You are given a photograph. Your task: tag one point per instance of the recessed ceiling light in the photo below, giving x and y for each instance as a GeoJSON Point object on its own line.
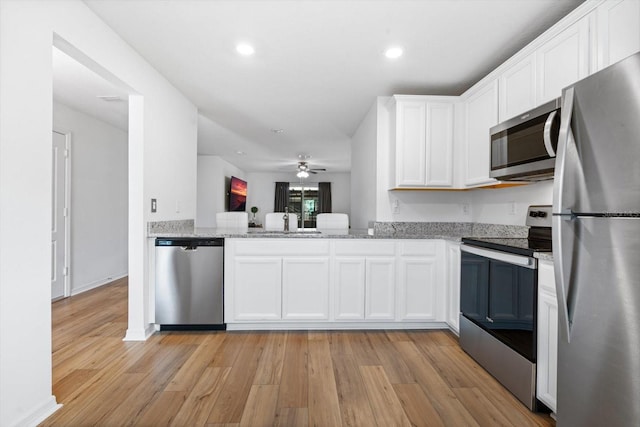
{"type": "Point", "coordinates": [393, 52]}
{"type": "Point", "coordinates": [274, 130]}
{"type": "Point", "coordinates": [245, 49]}
{"type": "Point", "coordinates": [240, 153]}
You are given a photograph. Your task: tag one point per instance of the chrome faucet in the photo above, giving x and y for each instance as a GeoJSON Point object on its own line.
{"type": "Point", "coordinates": [286, 218]}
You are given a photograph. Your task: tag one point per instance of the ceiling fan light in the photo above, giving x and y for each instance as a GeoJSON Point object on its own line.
{"type": "Point", "coordinates": [302, 174]}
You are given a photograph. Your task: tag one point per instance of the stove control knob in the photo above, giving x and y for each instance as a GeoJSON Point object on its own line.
{"type": "Point", "coordinates": [533, 214]}
{"type": "Point", "coordinates": [542, 214]}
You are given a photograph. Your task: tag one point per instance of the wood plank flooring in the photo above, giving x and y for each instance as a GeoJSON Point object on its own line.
{"type": "Point", "coordinates": [319, 378]}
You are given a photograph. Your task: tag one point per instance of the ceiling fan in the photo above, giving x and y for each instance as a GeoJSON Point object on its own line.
{"type": "Point", "coordinates": [304, 170]}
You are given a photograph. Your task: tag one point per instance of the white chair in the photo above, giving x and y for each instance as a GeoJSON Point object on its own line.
{"type": "Point", "coordinates": [273, 221]}
{"type": "Point", "coordinates": [332, 221]}
{"type": "Point", "coordinates": [235, 220]}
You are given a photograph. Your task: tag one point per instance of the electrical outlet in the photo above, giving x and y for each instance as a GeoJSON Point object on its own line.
{"type": "Point", "coordinates": [512, 208]}
{"type": "Point", "coordinates": [154, 205]}
{"type": "Point", "coordinates": [465, 208]}
{"type": "Point", "coordinates": [395, 207]}
{"type": "Point", "coordinates": [177, 206]}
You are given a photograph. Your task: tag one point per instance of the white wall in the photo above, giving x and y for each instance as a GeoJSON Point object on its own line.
{"type": "Point", "coordinates": [491, 205]}
{"type": "Point", "coordinates": [162, 156]}
{"type": "Point", "coordinates": [99, 198]}
{"type": "Point", "coordinates": [213, 176]}
{"type": "Point", "coordinates": [494, 205]}
{"type": "Point", "coordinates": [363, 175]}
{"type": "Point", "coordinates": [261, 190]}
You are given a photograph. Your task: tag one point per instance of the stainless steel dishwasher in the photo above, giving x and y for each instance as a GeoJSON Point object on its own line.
{"type": "Point", "coordinates": [189, 278]}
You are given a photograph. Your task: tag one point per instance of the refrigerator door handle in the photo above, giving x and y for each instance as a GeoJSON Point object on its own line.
{"type": "Point", "coordinates": [562, 260]}
{"type": "Point", "coordinates": [548, 144]}
{"type": "Point", "coordinates": [560, 267]}
{"type": "Point", "coordinates": [564, 138]}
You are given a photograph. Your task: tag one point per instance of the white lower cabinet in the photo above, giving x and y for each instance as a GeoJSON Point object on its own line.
{"type": "Point", "coordinates": [349, 288]}
{"type": "Point", "coordinates": [347, 281]}
{"type": "Point", "coordinates": [421, 290]}
{"type": "Point", "coordinates": [257, 289]}
{"type": "Point", "coordinates": [305, 288]}
{"type": "Point", "coordinates": [547, 365]}
{"type": "Point", "coordinates": [380, 288]}
{"type": "Point", "coordinates": [453, 288]}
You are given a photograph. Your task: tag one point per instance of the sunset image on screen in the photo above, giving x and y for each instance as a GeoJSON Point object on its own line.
{"type": "Point", "coordinates": [237, 195]}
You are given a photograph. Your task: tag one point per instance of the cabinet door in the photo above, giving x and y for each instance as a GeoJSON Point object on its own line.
{"type": "Point", "coordinates": [547, 369]}
{"type": "Point", "coordinates": [349, 288]}
{"type": "Point", "coordinates": [618, 31]}
{"type": "Point", "coordinates": [547, 357]}
{"type": "Point", "coordinates": [518, 88]}
{"type": "Point", "coordinates": [563, 60]}
{"type": "Point", "coordinates": [305, 288]}
{"type": "Point", "coordinates": [256, 288]}
{"type": "Point", "coordinates": [417, 291]}
{"type": "Point", "coordinates": [380, 288]}
{"type": "Point", "coordinates": [411, 124]}
{"type": "Point", "coordinates": [439, 145]}
{"type": "Point", "coordinates": [482, 114]}
{"type": "Point", "coordinates": [453, 285]}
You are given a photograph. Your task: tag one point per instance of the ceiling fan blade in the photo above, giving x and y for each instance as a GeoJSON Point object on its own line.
{"type": "Point", "coordinates": [319, 169]}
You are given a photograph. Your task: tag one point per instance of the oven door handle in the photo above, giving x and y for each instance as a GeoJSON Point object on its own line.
{"type": "Point", "coordinates": [522, 261]}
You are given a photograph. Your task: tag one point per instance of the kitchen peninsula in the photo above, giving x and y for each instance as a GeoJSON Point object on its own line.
{"type": "Point", "coordinates": [400, 276]}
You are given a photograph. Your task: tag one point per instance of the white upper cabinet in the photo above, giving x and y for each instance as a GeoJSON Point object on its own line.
{"type": "Point", "coordinates": [518, 88]}
{"type": "Point", "coordinates": [562, 61]}
{"type": "Point", "coordinates": [422, 141]}
{"type": "Point", "coordinates": [618, 31]}
{"type": "Point", "coordinates": [481, 115]}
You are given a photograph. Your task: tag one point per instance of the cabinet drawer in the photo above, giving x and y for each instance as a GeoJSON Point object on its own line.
{"type": "Point", "coordinates": [546, 277]}
{"type": "Point", "coordinates": [365, 247]}
{"type": "Point", "coordinates": [291, 246]}
{"type": "Point", "coordinates": [419, 248]}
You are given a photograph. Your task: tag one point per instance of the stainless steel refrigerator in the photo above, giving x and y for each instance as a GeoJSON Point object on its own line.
{"type": "Point", "coordinates": [596, 249]}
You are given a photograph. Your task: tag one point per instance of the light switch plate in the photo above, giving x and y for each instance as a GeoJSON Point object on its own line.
{"type": "Point", "coordinates": [154, 205]}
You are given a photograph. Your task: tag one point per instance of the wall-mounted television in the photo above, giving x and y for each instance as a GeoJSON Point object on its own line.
{"type": "Point", "coordinates": [237, 195]}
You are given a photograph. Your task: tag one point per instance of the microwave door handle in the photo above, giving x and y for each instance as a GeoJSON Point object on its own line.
{"type": "Point", "coordinates": [547, 134]}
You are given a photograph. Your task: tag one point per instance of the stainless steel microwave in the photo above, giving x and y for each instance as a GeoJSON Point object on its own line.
{"type": "Point", "coordinates": [524, 147]}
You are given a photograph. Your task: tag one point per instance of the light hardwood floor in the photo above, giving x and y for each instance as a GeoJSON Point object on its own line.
{"type": "Point", "coordinates": [345, 378]}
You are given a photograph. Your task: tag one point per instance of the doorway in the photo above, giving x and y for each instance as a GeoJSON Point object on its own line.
{"type": "Point", "coordinates": [95, 111]}
{"type": "Point", "coordinates": [60, 215]}
{"type": "Point", "coordinates": [303, 201]}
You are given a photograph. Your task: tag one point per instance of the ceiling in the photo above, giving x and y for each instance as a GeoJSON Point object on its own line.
{"type": "Point", "coordinates": [318, 64]}
{"type": "Point", "coordinates": [82, 89]}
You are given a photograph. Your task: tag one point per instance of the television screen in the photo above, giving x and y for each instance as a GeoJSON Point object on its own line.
{"type": "Point", "coordinates": [237, 195]}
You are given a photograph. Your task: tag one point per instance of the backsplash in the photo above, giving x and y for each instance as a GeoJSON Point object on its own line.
{"type": "Point", "coordinates": [156, 227]}
{"type": "Point", "coordinates": [451, 229]}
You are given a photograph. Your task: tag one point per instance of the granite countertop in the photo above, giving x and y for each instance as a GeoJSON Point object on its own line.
{"type": "Point", "coordinates": [545, 256]}
{"type": "Point", "coordinates": [452, 231]}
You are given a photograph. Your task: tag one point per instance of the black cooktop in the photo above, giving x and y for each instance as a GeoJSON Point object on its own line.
{"type": "Point", "coordinates": [520, 246]}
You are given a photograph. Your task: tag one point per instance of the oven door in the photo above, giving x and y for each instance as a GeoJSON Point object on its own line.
{"type": "Point", "coordinates": [498, 293]}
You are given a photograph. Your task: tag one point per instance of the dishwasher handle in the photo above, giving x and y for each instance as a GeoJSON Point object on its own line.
{"type": "Point", "coordinates": [189, 243]}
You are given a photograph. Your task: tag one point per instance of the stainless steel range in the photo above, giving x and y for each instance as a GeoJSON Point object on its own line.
{"type": "Point", "coordinates": [498, 304]}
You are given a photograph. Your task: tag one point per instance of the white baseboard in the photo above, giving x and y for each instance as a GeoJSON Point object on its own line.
{"type": "Point", "coordinates": [327, 326]}
{"type": "Point", "coordinates": [97, 283]}
{"type": "Point", "coordinates": [139, 334]}
{"type": "Point", "coordinates": [40, 414]}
